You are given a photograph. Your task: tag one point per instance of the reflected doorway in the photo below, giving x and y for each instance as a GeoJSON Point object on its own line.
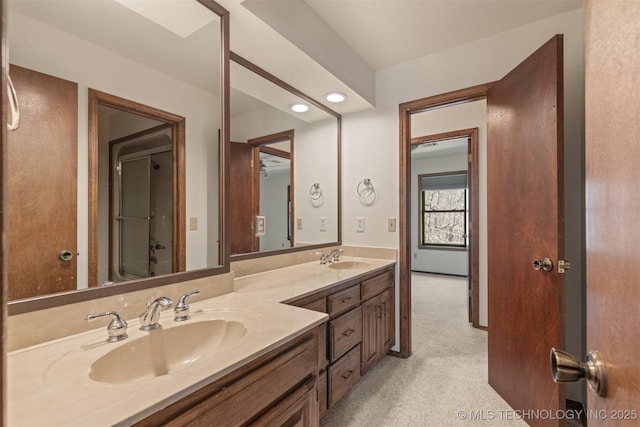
{"type": "Point", "coordinates": [136, 191]}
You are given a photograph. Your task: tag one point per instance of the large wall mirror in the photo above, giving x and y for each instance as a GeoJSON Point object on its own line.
{"type": "Point", "coordinates": [113, 173]}
{"type": "Point", "coordinates": [285, 165]}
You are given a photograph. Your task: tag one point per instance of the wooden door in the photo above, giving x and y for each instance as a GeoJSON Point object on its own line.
{"type": "Point", "coordinates": [42, 186]}
{"type": "Point", "coordinates": [612, 205]}
{"type": "Point", "coordinates": [388, 327]}
{"type": "Point", "coordinates": [241, 177]}
{"type": "Point", "coordinates": [370, 325]}
{"type": "Point", "coordinates": [525, 222]}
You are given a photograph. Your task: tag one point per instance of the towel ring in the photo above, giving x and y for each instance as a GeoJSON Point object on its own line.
{"type": "Point", "coordinates": [366, 192]}
{"type": "Point", "coordinates": [315, 194]}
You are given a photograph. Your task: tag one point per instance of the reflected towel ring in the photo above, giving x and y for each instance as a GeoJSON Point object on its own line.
{"type": "Point", "coordinates": [13, 103]}
{"type": "Point", "coordinates": [366, 192]}
{"type": "Point", "coordinates": [315, 195]}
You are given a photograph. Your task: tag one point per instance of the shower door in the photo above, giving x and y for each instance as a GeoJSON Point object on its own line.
{"type": "Point", "coordinates": [142, 241]}
{"type": "Point", "coordinates": [134, 217]}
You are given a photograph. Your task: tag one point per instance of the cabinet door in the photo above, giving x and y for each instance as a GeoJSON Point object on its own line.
{"type": "Point", "coordinates": [298, 409]}
{"type": "Point", "coordinates": [370, 344]}
{"type": "Point", "coordinates": [388, 324]}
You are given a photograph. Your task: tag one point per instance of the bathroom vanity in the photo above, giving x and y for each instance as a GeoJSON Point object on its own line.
{"type": "Point", "coordinates": [281, 348]}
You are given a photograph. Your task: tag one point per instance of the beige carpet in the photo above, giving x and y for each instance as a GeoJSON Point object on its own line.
{"type": "Point", "coordinates": [444, 381]}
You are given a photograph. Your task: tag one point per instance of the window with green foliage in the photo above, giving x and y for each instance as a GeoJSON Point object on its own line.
{"type": "Point", "coordinates": [443, 206]}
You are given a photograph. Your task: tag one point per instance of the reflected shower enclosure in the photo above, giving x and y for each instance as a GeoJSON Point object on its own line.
{"type": "Point", "coordinates": [142, 211]}
{"type": "Point", "coordinates": [141, 196]}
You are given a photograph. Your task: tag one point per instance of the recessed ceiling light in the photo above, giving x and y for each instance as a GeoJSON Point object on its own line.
{"type": "Point", "coordinates": [335, 97]}
{"type": "Point", "coordinates": [300, 108]}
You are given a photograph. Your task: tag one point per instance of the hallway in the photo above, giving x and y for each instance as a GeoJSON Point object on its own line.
{"type": "Point", "coordinates": [443, 383]}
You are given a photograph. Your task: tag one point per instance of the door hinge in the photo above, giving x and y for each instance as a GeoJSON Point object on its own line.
{"type": "Point", "coordinates": [563, 265]}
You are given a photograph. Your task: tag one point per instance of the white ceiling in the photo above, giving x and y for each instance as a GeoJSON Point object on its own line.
{"type": "Point", "coordinates": [388, 32]}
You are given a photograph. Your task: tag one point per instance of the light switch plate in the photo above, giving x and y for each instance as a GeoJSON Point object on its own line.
{"type": "Point", "coordinates": [193, 223]}
{"type": "Point", "coordinates": [260, 226]}
{"type": "Point", "coordinates": [323, 223]}
{"type": "Point", "coordinates": [360, 224]}
{"type": "Point", "coordinates": [299, 223]}
{"type": "Point", "coordinates": [391, 224]}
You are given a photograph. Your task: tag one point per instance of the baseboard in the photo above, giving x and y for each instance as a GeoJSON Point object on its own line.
{"type": "Point", "coordinates": [484, 328]}
{"type": "Point", "coordinates": [394, 353]}
{"type": "Point", "coordinates": [439, 274]}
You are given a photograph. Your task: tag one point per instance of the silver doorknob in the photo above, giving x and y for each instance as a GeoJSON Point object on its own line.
{"type": "Point", "coordinates": [567, 368]}
{"type": "Point", "coordinates": [546, 264]}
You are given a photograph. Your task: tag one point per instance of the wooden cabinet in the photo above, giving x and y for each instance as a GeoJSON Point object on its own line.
{"type": "Point", "coordinates": [378, 327]}
{"type": "Point", "coordinates": [345, 332]}
{"type": "Point", "coordinates": [360, 331]}
{"type": "Point", "coordinates": [343, 375]}
{"type": "Point", "coordinates": [278, 388]}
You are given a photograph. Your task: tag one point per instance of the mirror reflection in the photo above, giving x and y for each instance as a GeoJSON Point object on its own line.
{"type": "Point", "coordinates": [113, 169]}
{"type": "Point", "coordinates": [284, 167]}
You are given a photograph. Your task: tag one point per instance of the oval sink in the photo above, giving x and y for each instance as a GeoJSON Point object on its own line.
{"type": "Point", "coordinates": [348, 265]}
{"type": "Point", "coordinates": [164, 351]}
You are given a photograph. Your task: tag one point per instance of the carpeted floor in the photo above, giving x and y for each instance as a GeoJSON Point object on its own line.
{"type": "Point", "coordinates": [444, 382]}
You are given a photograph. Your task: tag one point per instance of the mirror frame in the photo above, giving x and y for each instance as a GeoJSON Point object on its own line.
{"type": "Point", "coordinates": [273, 79]}
{"type": "Point", "coordinates": [64, 298]}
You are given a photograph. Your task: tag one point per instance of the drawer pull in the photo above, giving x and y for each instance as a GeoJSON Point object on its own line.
{"type": "Point", "coordinates": [347, 374]}
{"type": "Point", "coordinates": [346, 299]}
{"type": "Point", "coordinates": [348, 332]}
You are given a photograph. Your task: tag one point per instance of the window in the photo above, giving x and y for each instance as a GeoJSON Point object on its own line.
{"type": "Point", "coordinates": [443, 207]}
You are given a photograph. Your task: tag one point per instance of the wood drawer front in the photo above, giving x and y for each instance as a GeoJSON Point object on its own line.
{"type": "Point", "coordinates": [317, 305]}
{"type": "Point", "coordinates": [375, 285]}
{"type": "Point", "coordinates": [343, 300]}
{"type": "Point", "coordinates": [344, 333]}
{"type": "Point", "coordinates": [237, 402]}
{"type": "Point", "coordinates": [343, 375]}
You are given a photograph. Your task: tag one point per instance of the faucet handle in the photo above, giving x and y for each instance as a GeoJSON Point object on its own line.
{"type": "Point", "coordinates": [182, 308]}
{"type": "Point", "coordinates": [117, 328]}
{"type": "Point", "coordinates": [324, 259]}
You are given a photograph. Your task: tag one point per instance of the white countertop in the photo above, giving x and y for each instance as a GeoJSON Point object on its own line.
{"type": "Point", "coordinates": [49, 384]}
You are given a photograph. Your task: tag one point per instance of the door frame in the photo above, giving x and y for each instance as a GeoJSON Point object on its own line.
{"type": "Point", "coordinates": [258, 146]}
{"type": "Point", "coordinates": [406, 110]}
{"type": "Point", "coordinates": [177, 123]}
{"type": "Point", "coordinates": [474, 213]}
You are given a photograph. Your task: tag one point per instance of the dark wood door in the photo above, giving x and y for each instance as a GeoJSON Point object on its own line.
{"type": "Point", "coordinates": [370, 326]}
{"type": "Point", "coordinates": [525, 222]}
{"type": "Point", "coordinates": [613, 202]}
{"type": "Point", "coordinates": [241, 177]}
{"type": "Point", "coordinates": [388, 327]}
{"type": "Point", "coordinates": [41, 205]}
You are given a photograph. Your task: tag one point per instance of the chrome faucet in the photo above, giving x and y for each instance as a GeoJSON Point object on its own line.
{"type": "Point", "coordinates": [182, 308]}
{"type": "Point", "coordinates": [334, 255]}
{"type": "Point", "coordinates": [117, 329]}
{"type": "Point", "coordinates": [324, 259]}
{"type": "Point", "coordinates": [149, 319]}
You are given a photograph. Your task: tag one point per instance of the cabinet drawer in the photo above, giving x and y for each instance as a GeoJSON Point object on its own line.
{"type": "Point", "coordinates": [344, 333]}
{"type": "Point", "coordinates": [343, 300]}
{"type": "Point", "coordinates": [375, 285]}
{"type": "Point", "coordinates": [343, 375]}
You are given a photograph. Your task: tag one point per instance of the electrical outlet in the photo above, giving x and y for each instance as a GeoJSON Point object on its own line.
{"type": "Point", "coordinates": [360, 224]}
{"type": "Point", "coordinates": [193, 223]}
{"type": "Point", "coordinates": [391, 224]}
{"type": "Point", "coordinates": [299, 223]}
{"type": "Point", "coordinates": [323, 223]}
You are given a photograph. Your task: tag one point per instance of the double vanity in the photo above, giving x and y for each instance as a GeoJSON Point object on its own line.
{"type": "Point", "coordinates": [284, 345]}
